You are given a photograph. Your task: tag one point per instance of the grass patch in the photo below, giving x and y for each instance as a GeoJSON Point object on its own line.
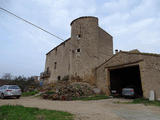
{"type": "Point", "coordinates": [145, 102]}
{"type": "Point", "coordinates": [29, 93]}
{"type": "Point", "coordinates": [8, 112]}
{"type": "Point", "coordinates": [49, 92]}
{"type": "Point", "coordinates": [96, 97]}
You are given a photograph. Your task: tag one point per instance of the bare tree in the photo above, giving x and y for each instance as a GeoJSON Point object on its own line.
{"type": "Point", "coordinates": [7, 76]}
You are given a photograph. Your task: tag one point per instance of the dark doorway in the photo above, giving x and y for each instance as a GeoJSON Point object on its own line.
{"type": "Point", "coordinates": [124, 77]}
{"type": "Point", "coordinates": [59, 77]}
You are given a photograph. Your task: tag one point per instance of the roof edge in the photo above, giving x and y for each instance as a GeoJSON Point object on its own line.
{"type": "Point", "coordinates": [126, 52]}
{"type": "Point", "coordinates": [140, 53]}
{"type": "Point", "coordinates": [58, 45]}
{"type": "Point", "coordinates": [105, 31]}
{"type": "Point", "coordinates": [107, 60]}
{"type": "Point", "coordinates": [83, 18]}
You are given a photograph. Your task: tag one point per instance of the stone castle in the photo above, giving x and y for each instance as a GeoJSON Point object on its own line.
{"type": "Point", "coordinates": [88, 47]}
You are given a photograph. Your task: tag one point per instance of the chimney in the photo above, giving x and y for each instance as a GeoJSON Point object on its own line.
{"type": "Point", "coordinates": [116, 51]}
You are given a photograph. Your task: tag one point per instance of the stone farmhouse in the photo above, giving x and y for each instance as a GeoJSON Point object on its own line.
{"type": "Point", "coordinates": [88, 55]}
{"type": "Point", "coordinates": [88, 47]}
{"type": "Point", "coordinates": [141, 70]}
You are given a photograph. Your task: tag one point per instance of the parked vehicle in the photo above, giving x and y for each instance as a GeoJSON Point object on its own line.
{"type": "Point", "coordinates": [128, 92]}
{"type": "Point", "coordinates": [10, 91]}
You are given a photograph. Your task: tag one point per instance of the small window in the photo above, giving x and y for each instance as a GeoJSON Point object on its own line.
{"type": "Point", "coordinates": [78, 50]}
{"type": "Point", "coordinates": [55, 65]}
{"type": "Point", "coordinates": [59, 77]}
{"type": "Point", "coordinates": [47, 69]}
{"type": "Point", "coordinates": [55, 50]}
{"type": "Point", "coordinates": [78, 36]}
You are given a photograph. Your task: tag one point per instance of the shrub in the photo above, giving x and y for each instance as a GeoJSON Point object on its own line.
{"type": "Point", "coordinates": [29, 93]}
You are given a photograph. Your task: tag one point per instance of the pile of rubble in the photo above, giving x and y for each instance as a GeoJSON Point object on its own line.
{"type": "Point", "coordinates": [68, 91]}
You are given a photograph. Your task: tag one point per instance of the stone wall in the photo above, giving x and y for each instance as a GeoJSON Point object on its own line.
{"type": "Point", "coordinates": [58, 62]}
{"type": "Point", "coordinates": [151, 76]}
{"type": "Point", "coordinates": [88, 47]}
{"type": "Point", "coordinates": [149, 71]}
{"type": "Point", "coordinates": [118, 59]}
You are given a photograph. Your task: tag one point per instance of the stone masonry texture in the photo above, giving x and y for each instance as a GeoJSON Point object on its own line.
{"type": "Point", "coordinates": [88, 47]}
{"type": "Point", "coordinates": [149, 71]}
{"type": "Point", "coordinates": [88, 53]}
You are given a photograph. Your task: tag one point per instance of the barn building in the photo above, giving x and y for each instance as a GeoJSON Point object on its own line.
{"type": "Point", "coordinates": [123, 69]}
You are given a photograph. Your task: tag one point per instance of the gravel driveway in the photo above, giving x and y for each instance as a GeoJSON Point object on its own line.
{"type": "Point", "coordinates": [92, 110]}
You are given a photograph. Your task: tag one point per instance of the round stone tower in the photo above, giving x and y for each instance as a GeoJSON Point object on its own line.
{"type": "Point", "coordinates": [83, 26]}
{"type": "Point", "coordinates": [89, 18]}
{"type": "Point", "coordinates": [84, 39]}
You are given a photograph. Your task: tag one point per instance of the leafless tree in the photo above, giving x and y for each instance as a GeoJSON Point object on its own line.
{"type": "Point", "coordinates": [7, 76]}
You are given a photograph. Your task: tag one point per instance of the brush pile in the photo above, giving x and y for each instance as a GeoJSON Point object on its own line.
{"type": "Point", "coordinates": [68, 91]}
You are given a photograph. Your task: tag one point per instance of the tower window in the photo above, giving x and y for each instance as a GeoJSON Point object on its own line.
{"type": "Point", "coordinates": [55, 65]}
{"type": "Point", "coordinates": [78, 36]}
{"type": "Point", "coordinates": [55, 50]}
{"type": "Point", "coordinates": [47, 69]}
{"type": "Point", "coordinates": [78, 50]}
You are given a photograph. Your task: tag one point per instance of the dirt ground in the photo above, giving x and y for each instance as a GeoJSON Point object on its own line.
{"type": "Point", "coordinates": [92, 110]}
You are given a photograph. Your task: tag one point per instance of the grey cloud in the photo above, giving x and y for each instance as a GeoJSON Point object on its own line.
{"type": "Point", "coordinates": [132, 23]}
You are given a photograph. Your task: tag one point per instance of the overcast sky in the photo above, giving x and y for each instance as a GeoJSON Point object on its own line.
{"type": "Point", "coordinates": [132, 23]}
